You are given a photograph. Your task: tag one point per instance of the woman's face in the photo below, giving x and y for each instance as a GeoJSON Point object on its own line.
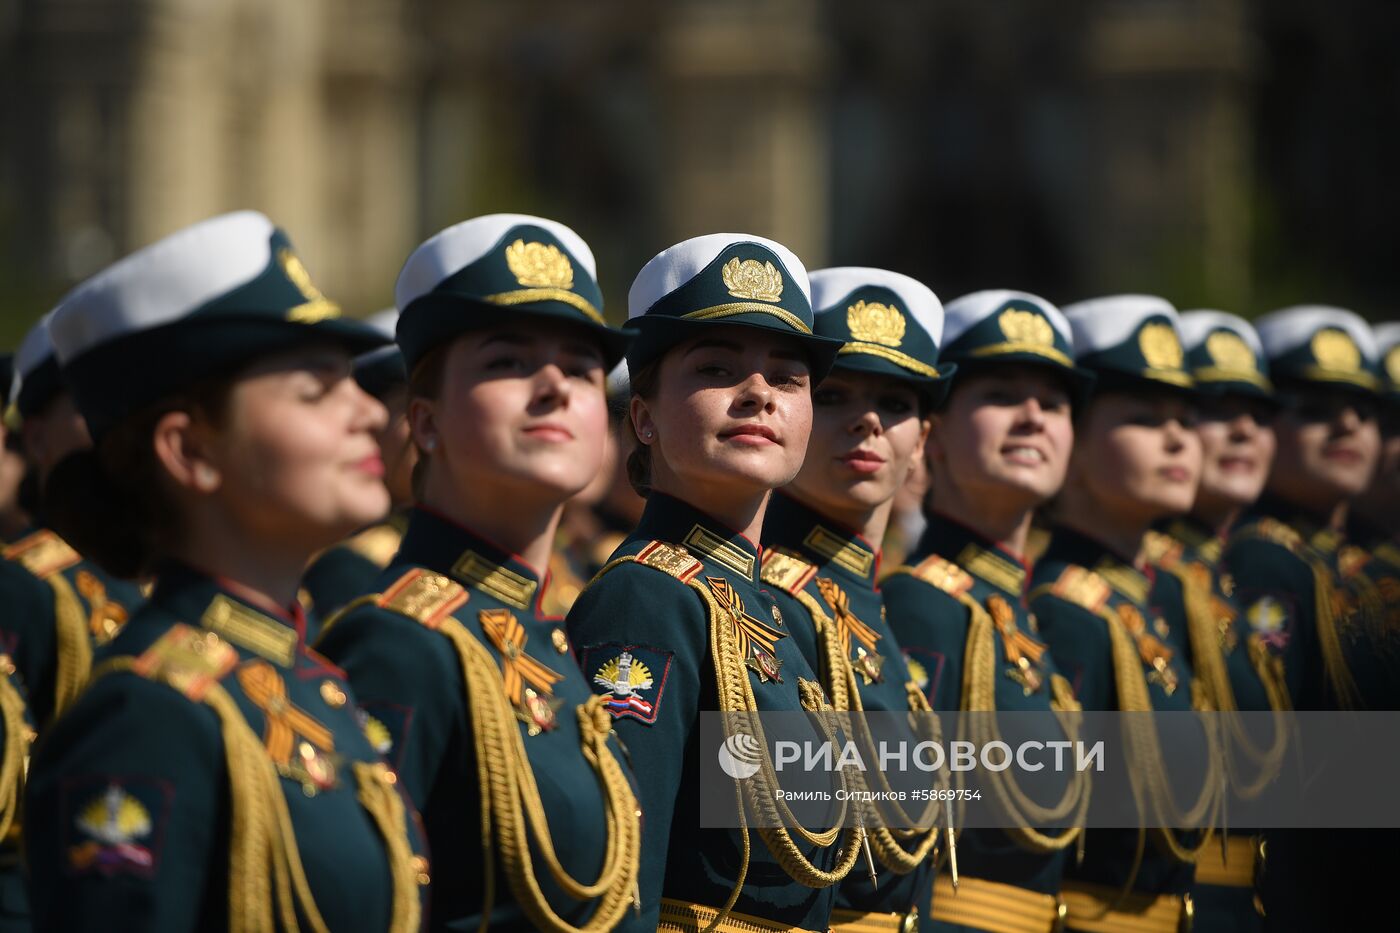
{"type": "Point", "coordinates": [1138, 456]}
{"type": "Point", "coordinates": [866, 434]}
{"type": "Point", "coordinates": [1004, 433]}
{"type": "Point", "coordinates": [1328, 446]}
{"type": "Point", "coordinates": [1237, 449]}
{"type": "Point", "coordinates": [521, 412]}
{"type": "Point", "coordinates": [296, 456]}
{"type": "Point", "coordinates": [732, 411]}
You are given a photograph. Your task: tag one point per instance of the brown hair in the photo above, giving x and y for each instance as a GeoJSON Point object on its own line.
{"type": "Point", "coordinates": [644, 385]}
{"type": "Point", "coordinates": [425, 382]}
{"type": "Point", "coordinates": [113, 502]}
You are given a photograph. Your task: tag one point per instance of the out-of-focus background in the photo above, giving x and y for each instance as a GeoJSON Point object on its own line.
{"type": "Point", "coordinates": [1228, 153]}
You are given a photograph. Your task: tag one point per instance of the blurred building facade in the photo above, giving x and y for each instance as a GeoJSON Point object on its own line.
{"type": "Point", "coordinates": [1071, 147]}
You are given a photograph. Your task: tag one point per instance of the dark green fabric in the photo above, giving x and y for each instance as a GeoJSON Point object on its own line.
{"type": "Point", "coordinates": [1079, 642]}
{"type": "Point", "coordinates": [40, 387]}
{"type": "Point", "coordinates": [931, 627]}
{"type": "Point", "coordinates": [788, 524]}
{"type": "Point", "coordinates": [635, 605]}
{"type": "Point", "coordinates": [917, 343]}
{"type": "Point", "coordinates": [156, 745]}
{"type": "Point", "coordinates": [410, 679]}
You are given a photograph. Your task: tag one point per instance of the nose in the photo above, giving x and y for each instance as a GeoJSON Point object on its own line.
{"type": "Point", "coordinates": [1032, 414]}
{"type": "Point", "coordinates": [756, 393]}
{"type": "Point", "coordinates": [1243, 427]}
{"type": "Point", "coordinates": [868, 424]}
{"type": "Point", "coordinates": [552, 386]}
{"type": "Point", "coordinates": [1174, 434]}
{"type": "Point", "coordinates": [371, 415]}
{"type": "Point", "coordinates": [1348, 419]}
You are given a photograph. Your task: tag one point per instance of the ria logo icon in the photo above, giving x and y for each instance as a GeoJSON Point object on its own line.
{"type": "Point", "coordinates": [739, 756]}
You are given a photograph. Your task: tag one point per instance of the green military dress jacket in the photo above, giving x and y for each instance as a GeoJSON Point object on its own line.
{"type": "Point", "coordinates": [208, 734]}
{"type": "Point", "coordinates": [680, 609]}
{"type": "Point", "coordinates": [822, 578]}
{"type": "Point", "coordinates": [349, 570]}
{"type": "Point", "coordinates": [1085, 599]}
{"type": "Point", "coordinates": [474, 697]}
{"type": "Point", "coordinates": [958, 608]}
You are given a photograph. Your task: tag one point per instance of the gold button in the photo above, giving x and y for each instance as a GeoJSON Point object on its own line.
{"type": "Point", "coordinates": [561, 641]}
{"type": "Point", "coordinates": [332, 694]}
{"type": "Point", "coordinates": [390, 777]}
{"type": "Point", "coordinates": [420, 869]}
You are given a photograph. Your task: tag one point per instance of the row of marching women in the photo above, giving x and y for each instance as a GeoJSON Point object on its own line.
{"type": "Point", "coordinates": [317, 623]}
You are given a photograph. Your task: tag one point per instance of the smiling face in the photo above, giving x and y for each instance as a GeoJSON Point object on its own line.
{"type": "Point", "coordinates": [520, 411]}
{"type": "Point", "coordinates": [296, 456]}
{"type": "Point", "coordinates": [730, 415]}
{"type": "Point", "coordinates": [1004, 436]}
{"type": "Point", "coordinates": [1136, 456]}
{"type": "Point", "coordinates": [1237, 449]}
{"type": "Point", "coordinates": [866, 434]}
{"type": "Point", "coordinates": [1328, 446]}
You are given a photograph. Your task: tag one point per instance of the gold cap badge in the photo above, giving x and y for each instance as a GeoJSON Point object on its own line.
{"type": "Point", "coordinates": [872, 322]}
{"type": "Point", "coordinates": [751, 280]}
{"type": "Point", "coordinates": [1335, 350]}
{"type": "Point", "coordinates": [539, 265]}
{"type": "Point", "coordinates": [1230, 353]}
{"type": "Point", "coordinates": [1026, 327]}
{"type": "Point", "coordinates": [1392, 364]}
{"type": "Point", "coordinates": [1160, 346]}
{"type": "Point", "coordinates": [317, 306]}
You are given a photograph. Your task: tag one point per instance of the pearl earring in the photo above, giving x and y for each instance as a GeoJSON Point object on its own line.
{"type": "Point", "coordinates": [430, 444]}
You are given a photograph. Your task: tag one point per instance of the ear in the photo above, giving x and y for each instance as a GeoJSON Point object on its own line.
{"type": "Point", "coordinates": [422, 424]}
{"type": "Point", "coordinates": [642, 421]}
{"type": "Point", "coordinates": [934, 451]}
{"type": "Point", "coordinates": [185, 454]}
{"type": "Point", "coordinates": [921, 450]}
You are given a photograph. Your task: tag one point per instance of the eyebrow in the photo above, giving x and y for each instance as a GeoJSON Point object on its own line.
{"type": "Point", "coordinates": [714, 345]}
{"type": "Point", "coordinates": [509, 337]}
{"type": "Point", "coordinates": [790, 355]}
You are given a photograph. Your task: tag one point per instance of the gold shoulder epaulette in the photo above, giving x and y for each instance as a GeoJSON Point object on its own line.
{"type": "Point", "coordinates": [786, 571]}
{"type": "Point", "coordinates": [1161, 549]}
{"type": "Point", "coordinates": [1271, 529]}
{"type": "Point", "coordinates": [43, 553]}
{"type": "Point", "coordinates": [424, 596]}
{"type": "Point", "coordinates": [1082, 587]}
{"type": "Point", "coordinates": [188, 659]}
{"type": "Point", "coordinates": [670, 559]}
{"type": "Point", "coordinates": [944, 574]}
{"type": "Point", "coordinates": [378, 545]}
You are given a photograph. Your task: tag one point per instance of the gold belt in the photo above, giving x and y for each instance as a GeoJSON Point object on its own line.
{"type": "Point", "coordinates": [681, 917]}
{"type": "Point", "coordinates": [1099, 908]}
{"type": "Point", "coordinates": [994, 907]}
{"type": "Point", "coordinates": [858, 921]}
{"type": "Point", "coordinates": [1234, 870]}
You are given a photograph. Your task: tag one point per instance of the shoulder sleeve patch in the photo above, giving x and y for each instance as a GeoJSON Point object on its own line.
{"type": "Point", "coordinates": [670, 559]}
{"type": "Point", "coordinates": [188, 659]}
{"type": "Point", "coordinates": [1082, 587]}
{"type": "Point", "coordinates": [43, 553]}
{"type": "Point", "coordinates": [786, 571]}
{"type": "Point", "coordinates": [631, 677]}
{"type": "Point", "coordinates": [114, 824]}
{"type": "Point", "coordinates": [944, 574]}
{"type": "Point", "coordinates": [378, 545]}
{"type": "Point", "coordinates": [424, 596]}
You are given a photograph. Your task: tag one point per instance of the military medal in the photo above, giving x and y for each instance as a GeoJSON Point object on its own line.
{"type": "Point", "coordinates": [867, 662]}
{"type": "Point", "coordinates": [528, 684]}
{"type": "Point", "coordinates": [1155, 655]}
{"type": "Point", "coordinates": [756, 638]}
{"type": "Point", "coordinates": [1021, 651]}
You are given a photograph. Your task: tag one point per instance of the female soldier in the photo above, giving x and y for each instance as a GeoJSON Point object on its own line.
{"type": "Point", "coordinates": [350, 568]}
{"type": "Point", "coordinates": [722, 375]}
{"type": "Point", "coordinates": [1235, 407]}
{"type": "Point", "coordinates": [1135, 461]}
{"type": "Point", "coordinates": [1299, 588]}
{"type": "Point", "coordinates": [997, 451]}
{"type": "Point", "coordinates": [213, 775]}
{"type": "Point", "coordinates": [868, 429]}
{"type": "Point", "coordinates": [468, 686]}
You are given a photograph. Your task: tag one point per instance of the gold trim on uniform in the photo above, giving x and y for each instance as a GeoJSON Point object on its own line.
{"type": "Point", "coordinates": [720, 550]}
{"type": "Point", "coordinates": [529, 295]}
{"type": "Point", "coordinates": [1160, 346]}
{"type": "Point", "coordinates": [746, 307]}
{"type": "Point", "coordinates": [1082, 587]}
{"type": "Point", "coordinates": [1012, 346]}
{"type": "Point", "coordinates": [786, 571]}
{"type": "Point", "coordinates": [894, 356]}
{"type": "Point", "coordinates": [993, 568]}
{"type": "Point", "coordinates": [860, 921]}
{"type": "Point", "coordinates": [317, 306]}
{"type": "Point", "coordinates": [252, 630]}
{"type": "Point", "coordinates": [751, 280]}
{"type": "Point", "coordinates": [1127, 581]}
{"type": "Point", "coordinates": [873, 322]}
{"type": "Point", "coordinates": [840, 551]}
{"type": "Point", "coordinates": [494, 580]}
{"type": "Point", "coordinates": [681, 917]}
{"type": "Point", "coordinates": [423, 596]}
{"type": "Point", "coordinates": [378, 545]}
{"type": "Point", "coordinates": [994, 906]}
{"type": "Point", "coordinates": [539, 265]}
{"type": "Point", "coordinates": [43, 553]}
{"type": "Point", "coordinates": [1096, 908]}
{"type": "Point", "coordinates": [1216, 374]}
{"type": "Point", "coordinates": [187, 659]}
{"type": "Point", "coordinates": [669, 559]}
{"type": "Point", "coordinates": [1233, 868]}
{"type": "Point", "coordinates": [943, 574]}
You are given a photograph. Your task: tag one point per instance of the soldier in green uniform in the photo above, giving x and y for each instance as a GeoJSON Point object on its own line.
{"type": "Point", "coordinates": [1284, 560]}
{"type": "Point", "coordinates": [821, 545]}
{"type": "Point", "coordinates": [213, 774]}
{"type": "Point", "coordinates": [1136, 461]}
{"type": "Point", "coordinates": [1242, 672]}
{"type": "Point", "coordinates": [998, 450]}
{"type": "Point", "coordinates": [351, 568]}
{"type": "Point", "coordinates": [470, 686]}
{"type": "Point", "coordinates": [677, 622]}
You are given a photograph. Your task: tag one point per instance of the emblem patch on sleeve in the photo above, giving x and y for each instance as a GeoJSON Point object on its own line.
{"type": "Point", "coordinates": [115, 824]}
{"type": "Point", "coordinates": [632, 677]}
{"type": "Point", "coordinates": [1268, 616]}
{"type": "Point", "coordinates": [386, 726]}
{"type": "Point", "coordinates": [925, 669]}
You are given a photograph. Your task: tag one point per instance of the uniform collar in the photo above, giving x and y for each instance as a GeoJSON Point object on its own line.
{"type": "Point", "coordinates": [438, 543]}
{"type": "Point", "coordinates": [670, 520]}
{"type": "Point", "coordinates": [980, 556]}
{"type": "Point", "coordinates": [1201, 542]}
{"type": "Point", "coordinates": [233, 612]}
{"type": "Point", "coordinates": [1313, 528]}
{"type": "Point", "coordinates": [1073, 547]}
{"type": "Point", "coordinates": [791, 524]}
